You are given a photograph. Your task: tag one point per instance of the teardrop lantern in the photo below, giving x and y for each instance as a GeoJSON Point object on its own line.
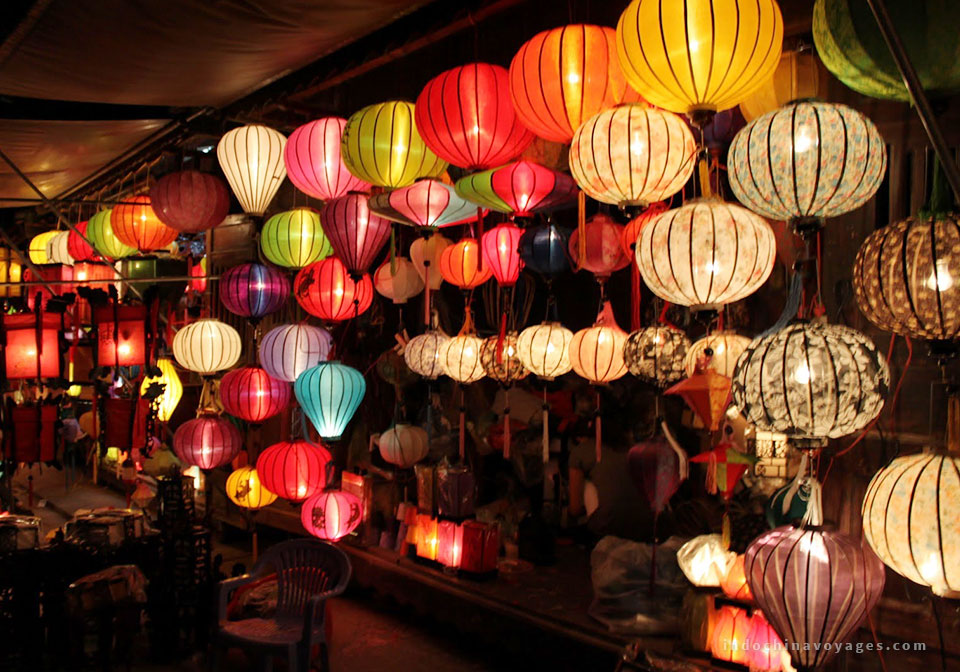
{"type": "Point", "coordinates": [79, 248]}
{"type": "Point", "coordinates": [253, 290]}
{"type": "Point", "coordinates": [251, 158]}
{"type": "Point", "coordinates": [290, 349]}
{"type": "Point", "coordinates": [330, 394]}
{"type": "Point", "coordinates": [543, 349]}
{"type": "Point", "coordinates": [460, 264]}
{"type": "Point", "coordinates": [404, 445]}
{"type": "Point", "coordinates": [246, 490]}
{"type": "Point", "coordinates": [294, 470]}
{"type": "Point", "coordinates": [717, 352]}
{"type": "Point", "coordinates": [520, 188]}
{"type": "Point", "coordinates": [100, 232]}
{"type": "Point", "coordinates": [596, 353]}
{"type": "Point", "coordinates": [206, 346]}
{"type": "Point", "coordinates": [356, 234]}
{"type": "Point", "coordinates": [424, 204]}
{"type": "Point", "coordinates": [500, 247]}
{"type": "Point", "coordinates": [397, 280]}
{"type": "Point", "coordinates": [543, 249]}
{"type": "Point", "coordinates": [603, 255]}
{"type": "Point", "coordinates": [313, 162]}
{"type": "Point", "coordinates": [326, 289]}
{"type": "Point", "coordinates": [422, 354]}
{"type": "Point", "coordinates": [167, 402]}
{"type": "Point", "coordinates": [207, 442]}
{"type": "Point", "coordinates": [657, 355]}
{"type": "Point", "coordinates": [331, 515]}
{"type": "Point", "coordinates": [294, 239]}
{"type": "Point", "coordinates": [190, 201]}
{"type": "Point", "coordinates": [251, 394]}
{"type": "Point", "coordinates": [134, 223]}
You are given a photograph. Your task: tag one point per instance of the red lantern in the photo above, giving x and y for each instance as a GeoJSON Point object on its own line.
{"type": "Point", "coordinates": [294, 470]}
{"type": "Point", "coordinates": [466, 117]}
{"type": "Point", "coordinates": [124, 423]}
{"type": "Point", "coordinates": [603, 254]}
{"type": "Point", "coordinates": [480, 547]}
{"type": "Point", "coordinates": [207, 442]}
{"type": "Point", "coordinates": [449, 543]}
{"type": "Point", "coordinates": [730, 635]}
{"type": "Point", "coordinates": [198, 271]}
{"type": "Point", "coordinates": [31, 345]}
{"type": "Point", "coordinates": [356, 234]}
{"type": "Point", "coordinates": [325, 289]}
{"type": "Point", "coordinates": [79, 248]}
{"type": "Point", "coordinates": [707, 394]}
{"type": "Point", "coordinates": [52, 274]}
{"type": "Point", "coordinates": [501, 252]}
{"type": "Point", "coordinates": [427, 533]}
{"type": "Point", "coordinates": [312, 157]}
{"type": "Point", "coordinates": [460, 264]}
{"type": "Point", "coordinates": [190, 201]}
{"type": "Point", "coordinates": [251, 394]}
{"type": "Point", "coordinates": [31, 433]}
{"type": "Point", "coordinates": [520, 188]}
{"type": "Point", "coordinates": [136, 224]}
{"type": "Point", "coordinates": [631, 232]}
{"type": "Point", "coordinates": [93, 275]}
{"type": "Point", "coordinates": [121, 335]}
{"type": "Point", "coordinates": [331, 515]}
{"type": "Point", "coordinates": [425, 203]}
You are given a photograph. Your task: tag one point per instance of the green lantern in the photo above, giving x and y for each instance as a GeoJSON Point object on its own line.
{"type": "Point", "coordinates": [100, 233]}
{"type": "Point", "coordinates": [294, 239]}
{"type": "Point", "coordinates": [851, 46]}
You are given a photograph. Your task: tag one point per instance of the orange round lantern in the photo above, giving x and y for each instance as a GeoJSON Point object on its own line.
{"type": "Point", "coordinates": [596, 353]}
{"type": "Point", "coordinates": [734, 585]}
{"type": "Point", "coordinates": [603, 254]}
{"type": "Point", "coordinates": [460, 264]}
{"type": "Point", "coordinates": [135, 224]}
{"type": "Point", "coordinates": [500, 247]}
{"type": "Point", "coordinates": [630, 233]}
{"type": "Point", "coordinates": [326, 289]}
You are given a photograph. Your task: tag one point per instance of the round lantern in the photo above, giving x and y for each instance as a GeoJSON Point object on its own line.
{"type": "Point", "coordinates": [330, 394]}
{"type": "Point", "coordinates": [543, 249]}
{"type": "Point", "coordinates": [37, 249]}
{"type": "Point", "coordinates": [206, 346]}
{"type": "Point", "coordinates": [630, 233]}
{"type": "Point", "coordinates": [425, 253]}
{"type": "Point", "coordinates": [632, 155]}
{"type": "Point", "coordinates": [290, 349]}
{"type": "Point", "coordinates": [603, 254]}
{"type": "Point", "coordinates": [381, 145]}
{"type": "Point", "coordinates": [356, 234]}
{"type": "Point", "coordinates": [245, 489]}
{"type": "Point", "coordinates": [424, 204]}
{"type": "Point", "coordinates": [596, 353]}
{"type": "Point", "coordinates": [910, 513]}
{"type": "Point", "coordinates": [397, 280]}
{"type": "Point", "coordinates": [326, 289]}
{"type": "Point", "coordinates": [561, 77]}
{"type": "Point", "coordinates": [717, 352]}
{"type": "Point", "coordinates": [294, 239]}
{"type": "Point", "coordinates": [404, 445]}
{"type": "Point", "coordinates": [519, 188]}
{"type": "Point", "coordinates": [312, 158]}
{"type": "Point", "coordinates": [734, 584]}
{"type": "Point", "coordinates": [251, 394]}
{"type": "Point", "coordinates": [543, 349]}
{"type": "Point", "coordinates": [422, 354]}
{"type": "Point", "coordinates": [460, 358]}
{"type": "Point", "coordinates": [656, 355]}
{"type": "Point", "coordinates": [331, 515]}
{"type": "Point", "coordinates": [135, 224]}
{"type": "Point", "coordinates": [253, 290]}
{"type": "Point", "coordinates": [500, 247]}
{"type": "Point", "coordinates": [460, 264]}
{"type": "Point", "coordinates": [807, 160]}
{"type": "Point", "coordinates": [466, 117]}
{"type": "Point", "coordinates": [295, 469]}
{"type": "Point", "coordinates": [100, 233]}
{"type": "Point", "coordinates": [167, 402]}
{"type": "Point", "coordinates": [811, 380]}
{"type": "Point", "coordinates": [800, 576]}
{"type": "Point", "coordinates": [500, 358]}
{"type": "Point", "coordinates": [190, 201]}
{"type": "Point", "coordinates": [58, 251]}
{"type": "Point", "coordinates": [10, 271]}
{"type": "Point", "coordinates": [905, 277]}
{"type": "Point", "coordinates": [79, 248]}
{"type": "Point", "coordinates": [730, 633]}
{"type": "Point", "coordinates": [706, 253]}
{"type": "Point", "coordinates": [696, 57]}
{"type": "Point", "coordinates": [251, 158]}
{"type": "Point", "coordinates": [207, 442]}
{"type": "Point", "coordinates": [797, 76]}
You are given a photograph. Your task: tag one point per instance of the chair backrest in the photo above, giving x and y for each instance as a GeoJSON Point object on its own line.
{"type": "Point", "coordinates": [304, 567]}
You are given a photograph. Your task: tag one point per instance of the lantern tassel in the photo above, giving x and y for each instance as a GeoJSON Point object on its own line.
{"type": "Point", "coordinates": [506, 423]}
{"type": "Point", "coordinates": [598, 427]}
{"type": "Point", "coordinates": [953, 424]}
{"type": "Point", "coordinates": [426, 293]}
{"type": "Point", "coordinates": [814, 514]}
{"type": "Point", "coordinates": [463, 423]}
{"type": "Point", "coordinates": [545, 419]}
{"type": "Point", "coordinates": [635, 296]}
{"type": "Point", "coordinates": [704, 173]}
{"type": "Point", "coordinates": [581, 229]}
{"type": "Point", "coordinates": [711, 480]}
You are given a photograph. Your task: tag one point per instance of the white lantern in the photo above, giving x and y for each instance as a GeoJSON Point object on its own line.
{"type": "Point", "coordinates": [656, 354]}
{"type": "Point", "coordinates": [290, 349]}
{"type": "Point", "coordinates": [596, 353]}
{"type": "Point", "coordinates": [207, 346]}
{"type": "Point", "coordinates": [460, 358]}
{"type": "Point", "coordinates": [57, 250]}
{"type": "Point", "coordinates": [425, 255]}
{"type": "Point", "coordinates": [705, 561]}
{"type": "Point", "coordinates": [544, 349]}
{"type": "Point", "coordinates": [422, 354]}
{"type": "Point", "coordinates": [400, 283]}
{"type": "Point", "coordinates": [404, 445]}
{"type": "Point", "coordinates": [716, 352]}
{"type": "Point", "coordinates": [252, 161]}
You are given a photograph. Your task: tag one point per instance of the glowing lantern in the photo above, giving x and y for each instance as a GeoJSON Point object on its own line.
{"type": "Point", "coordinates": [730, 635]}
{"type": "Point", "coordinates": [734, 584]}
{"type": "Point", "coordinates": [602, 255]}
{"type": "Point", "coordinates": [251, 394]}
{"type": "Point", "coordinates": [422, 354]}
{"type": "Point", "coordinates": [397, 280]}
{"type": "Point", "coordinates": [10, 271]}
{"type": "Point", "coordinates": [330, 394]}
{"type": "Point", "coordinates": [331, 515]}
{"type": "Point", "coordinates": [49, 273]}
{"type": "Point", "coordinates": [294, 470]}
{"type": "Point", "coordinates": [424, 204]}
{"type": "Point", "coordinates": [596, 353]}
{"type": "Point", "coordinates": [500, 247]}
{"type": "Point", "coordinates": [707, 393]}
{"type": "Point", "coordinates": [460, 264]}
{"type": "Point", "coordinates": [166, 403]}
{"type": "Point", "coordinates": [207, 442]}
{"type": "Point", "coordinates": [325, 289]}
{"type": "Point", "coordinates": [698, 58]}
{"type": "Point", "coordinates": [121, 335]}
{"type": "Point", "coordinates": [290, 349]}
{"type": "Point", "coordinates": [766, 652]}
{"type": "Point", "coordinates": [427, 536]}
{"type": "Point", "coordinates": [134, 223]}
{"type": "Point", "coordinates": [704, 560]}
{"type": "Point", "coordinates": [520, 188]}
{"type": "Point", "coordinates": [561, 77]}
{"type": "Point", "coordinates": [632, 155]}
{"type": "Point", "coordinates": [31, 348]}
{"type": "Point", "coordinates": [190, 201]}
{"type": "Point", "coordinates": [93, 275]}
{"type": "Point", "coordinates": [381, 145]}
{"type": "Point", "coordinates": [717, 352]}
{"type": "Point", "coordinates": [251, 158]}
{"type": "Point", "coordinates": [245, 489]}
{"type": "Point", "coordinates": [312, 158]}
{"type": "Point", "coordinates": [425, 253]}
{"type": "Point", "coordinates": [706, 253]}
{"type": "Point", "coordinates": [58, 251]}
{"type": "Point", "coordinates": [465, 116]}
{"type": "Point", "coordinates": [253, 290]}
{"type": "Point", "coordinates": [807, 160]}
{"type": "Point", "coordinates": [294, 239]}
{"type": "Point", "coordinates": [449, 543]}
{"type": "Point", "coordinates": [37, 249]}
{"type": "Point", "coordinates": [206, 346]}
{"type": "Point", "coordinates": [630, 232]}
{"type": "Point", "coordinates": [543, 349]}
{"type": "Point", "coordinates": [79, 248]}
{"type": "Point", "coordinates": [543, 249]}
{"type": "Point", "coordinates": [100, 233]}
{"type": "Point", "coordinates": [460, 358]}
{"type": "Point", "coordinates": [404, 445]}
{"type": "Point", "coordinates": [356, 234]}
{"type": "Point", "coordinates": [797, 77]}
{"type": "Point", "coordinates": [656, 354]}
{"type": "Point", "coordinates": [811, 381]}
{"type": "Point", "coordinates": [501, 360]}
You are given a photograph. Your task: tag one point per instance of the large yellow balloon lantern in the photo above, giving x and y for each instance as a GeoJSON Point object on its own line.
{"type": "Point", "coordinates": [37, 250]}
{"type": "Point", "coordinates": [166, 402]}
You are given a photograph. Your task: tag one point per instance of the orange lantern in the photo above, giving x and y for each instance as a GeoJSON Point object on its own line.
{"type": "Point", "coordinates": [596, 353]}
{"type": "Point", "coordinates": [500, 247]}
{"type": "Point", "coordinates": [327, 290]}
{"type": "Point", "coordinates": [427, 532]}
{"type": "Point", "coordinates": [460, 265]}
{"type": "Point", "coordinates": [734, 584]}
{"type": "Point", "coordinates": [730, 635]}
{"type": "Point", "coordinates": [135, 224]}
{"type": "Point", "coordinates": [449, 543]}
{"type": "Point", "coordinates": [121, 335]}
{"type": "Point", "coordinates": [31, 345]}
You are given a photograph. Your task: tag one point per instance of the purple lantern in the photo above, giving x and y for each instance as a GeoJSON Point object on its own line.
{"type": "Point", "coordinates": [253, 290]}
{"type": "Point", "coordinates": [356, 234]}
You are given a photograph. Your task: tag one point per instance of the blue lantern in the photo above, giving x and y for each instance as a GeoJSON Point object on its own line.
{"type": "Point", "coordinates": [544, 249]}
{"type": "Point", "coordinates": [330, 394]}
{"type": "Point", "coordinates": [253, 290]}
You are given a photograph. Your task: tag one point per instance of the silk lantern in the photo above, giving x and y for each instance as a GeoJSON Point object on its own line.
{"type": "Point", "coordinates": [10, 271]}
{"type": "Point", "coordinates": [730, 634]}
{"type": "Point", "coordinates": [294, 239]}
{"type": "Point", "coordinates": [460, 358]}
{"type": "Point", "coordinates": [356, 234]}
{"type": "Point", "coordinates": [166, 403]}
{"type": "Point", "coordinates": [58, 251]}
{"type": "Point", "coordinates": [330, 394]}
{"type": "Point", "coordinates": [100, 233]}
{"type": "Point", "coordinates": [207, 442]}
{"type": "Point", "coordinates": [811, 381]}
{"type": "Point", "coordinates": [460, 264]}
{"type": "Point", "coordinates": [543, 349]}
{"type": "Point", "coordinates": [806, 161]}
{"type": "Point", "coordinates": [294, 470]}
{"type": "Point", "coordinates": [796, 77]}
{"type": "Point", "coordinates": [596, 353]}
{"type": "Point", "coordinates": [253, 290]}
{"type": "Point", "coordinates": [312, 159]}
{"type": "Point", "coordinates": [404, 445]}
{"type": "Point", "coordinates": [734, 585]}
{"type": "Point", "coordinates": [290, 349]}
{"type": "Point", "coordinates": [632, 155]}
{"type": "Point", "coordinates": [603, 255]}
{"type": "Point", "coordinates": [706, 254]}
{"type": "Point", "coordinates": [704, 560]}
{"type": "Point", "coordinates": [79, 248]}
{"type": "Point", "coordinates": [696, 57]}
{"type": "Point", "coordinates": [424, 204]}
{"type": "Point", "coordinates": [134, 223]}
{"type": "Point", "coordinates": [398, 280]}
{"type": "Point", "coordinates": [326, 289]}
{"type": "Point", "coordinates": [425, 253]}
{"type": "Point", "coordinates": [37, 249]}
{"type": "Point", "coordinates": [190, 201]}
{"type": "Point", "coordinates": [246, 490]}
{"type": "Point", "coordinates": [656, 354]}
{"type": "Point", "coordinates": [121, 335]}
{"type": "Point", "coordinates": [543, 249]}
{"type": "Point", "coordinates": [251, 394]}
{"type": "Point", "coordinates": [718, 352]}
{"type": "Point", "coordinates": [381, 145]}
{"type": "Point", "coordinates": [251, 158]}
{"type": "Point", "coordinates": [766, 651]}
{"type": "Point", "coordinates": [500, 249]}
{"type": "Point", "coordinates": [206, 346]}
{"type": "Point", "coordinates": [656, 469]}
{"type": "Point", "coordinates": [500, 358]}
{"type": "Point", "coordinates": [520, 188]}
{"type": "Point", "coordinates": [630, 233]}
{"type": "Point", "coordinates": [466, 117]}
{"type": "Point", "coordinates": [707, 393]}
{"type": "Point", "coordinates": [31, 346]}
{"type": "Point", "coordinates": [422, 354]}
{"type": "Point", "coordinates": [331, 515]}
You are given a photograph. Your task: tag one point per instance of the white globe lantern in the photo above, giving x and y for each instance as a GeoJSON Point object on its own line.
{"type": "Point", "coordinates": [404, 445]}
{"type": "Point", "coordinates": [207, 346]}
{"type": "Point", "coordinates": [422, 354]}
{"type": "Point", "coordinates": [544, 349]}
{"type": "Point", "coordinates": [717, 352]}
{"type": "Point", "coordinates": [290, 349]}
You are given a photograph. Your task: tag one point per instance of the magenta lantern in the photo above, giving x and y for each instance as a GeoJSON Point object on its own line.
{"type": "Point", "coordinates": [252, 394]}
{"type": "Point", "coordinates": [207, 442]}
{"type": "Point", "coordinates": [331, 515]}
{"type": "Point", "coordinates": [190, 201]}
{"type": "Point", "coordinates": [312, 157]}
{"type": "Point", "coordinates": [295, 469]}
{"type": "Point", "coordinates": [254, 290]}
{"type": "Point", "coordinates": [501, 252]}
{"type": "Point", "coordinates": [356, 234]}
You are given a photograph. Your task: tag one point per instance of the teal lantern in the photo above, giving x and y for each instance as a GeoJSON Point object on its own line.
{"type": "Point", "coordinates": [330, 394]}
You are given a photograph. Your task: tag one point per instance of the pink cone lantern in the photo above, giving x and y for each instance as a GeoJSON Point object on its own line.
{"type": "Point", "coordinates": [425, 204]}
{"type": "Point", "coordinates": [602, 251]}
{"type": "Point", "coordinates": [190, 201]}
{"type": "Point", "coordinates": [356, 234]}
{"type": "Point", "coordinates": [501, 252]}
{"type": "Point", "coordinates": [312, 157]}
{"type": "Point", "coordinates": [207, 442]}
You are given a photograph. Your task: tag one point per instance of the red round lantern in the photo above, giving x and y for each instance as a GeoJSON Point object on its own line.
{"type": "Point", "coordinates": [331, 515]}
{"type": "Point", "coordinates": [325, 289]}
{"type": "Point", "coordinates": [295, 469]}
{"type": "Point", "coordinates": [251, 394]}
{"type": "Point", "coordinates": [631, 231]}
{"type": "Point", "coordinates": [519, 188]}
{"type": "Point", "coordinates": [604, 253]}
{"type": "Point", "coordinates": [190, 201]}
{"type": "Point", "coordinates": [460, 264]}
{"type": "Point", "coordinates": [466, 117]}
{"type": "Point", "coordinates": [356, 234]}
{"type": "Point", "coordinates": [501, 252]}
{"type": "Point", "coordinates": [312, 157]}
{"type": "Point", "coordinates": [207, 442]}
{"type": "Point", "coordinates": [78, 248]}
{"type": "Point", "coordinates": [136, 224]}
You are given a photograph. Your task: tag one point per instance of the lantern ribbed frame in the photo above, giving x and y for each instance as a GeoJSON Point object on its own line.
{"type": "Point", "coordinates": [37, 249]}
{"type": "Point", "coordinates": [632, 155]}
{"type": "Point", "coordinates": [460, 358]}
{"type": "Point", "coordinates": [168, 400]}
{"type": "Point", "coordinates": [246, 490]}
{"type": "Point", "coordinates": [807, 160]}
{"type": "Point", "coordinates": [58, 251]}
{"type": "Point", "coordinates": [520, 188]}
{"type": "Point", "coordinates": [544, 349]}
{"type": "Point", "coordinates": [500, 358]}
{"type": "Point", "coordinates": [811, 380]}
{"type": "Point", "coordinates": [100, 232]}
{"type": "Point", "coordinates": [190, 201]}
{"type": "Point", "coordinates": [207, 346]}
{"type": "Point", "coordinates": [331, 515]}
{"type": "Point", "coordinates": [404, 445]}
{"type": "Point", "coordinates": [543, 249]}
{"type": "Point", "coordinates": [596, 353]}
{"type": "Point", "coordinates": [356, 234]}
{"type": "Point", "coordinates": [295, 238]}
{"type": "Point", "coordinates": [330, 394]}
{"type": "Point", "coordinates": [425, 253]}
{"type": "Point", "coordinates": [290, 349]}
{"type": "Point", "coordinates": [253, 290]}
{"type": "Point", "coordinates": [294, 470]}
{"type": "Point", "coordinates": [326, 289]}
{"type": "Point", "coordinates": [500, 247]}
{"type": "Point", "coordinates": [207, 442]}
{"type": "Point", "coordinates": [603, 253]}
{"type": "Point", "coordinates": [400, 284]}
{"type": "Point", "coordinates": [460, 264]}
{"type": "Point", "coordinates": [135, 224]}
{"type": "Point", "coordinates": [422, 354]}
{"type": "Point", "coordinates": [656, 355]}
{"type": "Point", "coordinates": [252, 394]}
{"type": "Point", "coordinates": [424, 204]}
{"type": "Point", "coordinates": [251, 158]}
{"type": "Point", "coordinates": [312, 159]}
{"type": "Point", "coordinates": [706, 254]}
{"type": "Point", "coordinates": [726, 346]}
{"type": "Point", "coordinates": [79, 248]}
{"type": "Point", "coordinates": [797, 76]}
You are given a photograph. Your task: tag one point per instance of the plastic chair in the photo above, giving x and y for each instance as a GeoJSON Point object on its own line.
{"type": "Point", "coordinates": [308, 573]}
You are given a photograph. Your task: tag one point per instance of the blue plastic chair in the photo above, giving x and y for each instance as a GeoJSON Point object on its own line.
{"type": "Point", "coordinates": [308, 573]}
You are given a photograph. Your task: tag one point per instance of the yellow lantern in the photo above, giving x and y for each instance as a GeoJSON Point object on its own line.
{"type": "Point", "coordinates": [10, 271]}
{"type": "Point", "coordinates": [252, 161]}
{"type": "Point", "coordinates": [596, 353]}
{"type": "Point", "coordinates": [716, 352]}
{"type": "Point", "coordinates": [699, 56]}
{"type": "Point", "coordinates": [167, 402]}
{"type": "Point", "coordinates": [797, 76]}
{"type": "Point", "coordinates": [37, 250]}
{"type": "Point", "coordinates": [206, 346]}
{"type": "Point", "coordinates": [245, 489]}
{"type": "Point", "coordinates": [294, 238]}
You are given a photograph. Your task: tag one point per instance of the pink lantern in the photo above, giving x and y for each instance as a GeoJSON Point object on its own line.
{"type": "Point", "coordinates": [425, 204]}
{"type": "Point", "coordinates": [356, 234]}
{"type": "Point", "coordinates": [765, 651]}
{"type": "Point", "coordinates": [190, 201]}
{"type": "Point", "coordinates": [312, 157]}
{"type": "Point", "coordinates": [331, 515]}
{"type": "Point", "coordinates": [207, 442]}
{"type": "Point", "coordinates": [501, 252]}
{"type": "Point", "coordinates": [251, 394]}
{"type": "Point", "coordinates": [602, 252]}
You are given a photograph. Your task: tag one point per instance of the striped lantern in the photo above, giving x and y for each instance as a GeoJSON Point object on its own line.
{"type": "Point", "coordinates": [290, 349]}
{"type": "Point", "coordinates": [312, 158]}
{"type": "Point", "coordinates": [253, 290]}
{"type": "Point", "coordinates": [404, 445]}
{"type": "Point", "coordinates": [251, 157]}
{"type": "Point", "coordinates": [460, 264]}
{"type": "Point", "coordinates": [543, 249]}
{"type": "Point", "coordinates": [134, 223]}
{"type": "Point", "coordinates": [500, 358]}
{"type": "Point", "coordinates": [422, 354]}
{"type": "Point", "coordinates": [596, 353]}
{"type": "Point", "coordinates": [251, 394]}
{"type": "Point", "coordinates": [717, 352]}
{"type": "Point", "coordinates": [520, 188]}
{"type": "Point", "coordinates": [190, 201]}
{"type": "Point", "coordinates": [245, 489]}
{"type": "Point", "coordinates": [206, 346]}
{"type": "Point", "coordinates": [294, 470]}
{"type": "Point", "coordinates": [207, 442]}
{"type": "Point", "coordinates": [294, 239]}
{"type": "Point", "coordinates": [57, 250]}
{"type": "Point", "coordinates": [602, 253]}
{"type": "Point", "coordinates": [397, 280]}
{"type": "Point", "coordinates": [500, 247]}
{"type": "Point", "coordinates": [37, 249]}
{"type": "Point", "coordinates": [100, 232]}
{"type": "Point", "coordinates": [78, 247]}
{"type": "Point", "coordinates": [356, 234]}
{"type": "Point", "coordinates": [326, 289]}
{"type": "Point", "coordinates": [656, 354]}
{"type": "Point", "coordinates": [460, 358]}
{"type": "Point", "coordinates": [330, 394]}
{"type": "Point", "coordinates": [424, 204]}
{"type": "Point", "coordinates": [543, 349]}
{"type": "Point", "coordinates": [331, 515]}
